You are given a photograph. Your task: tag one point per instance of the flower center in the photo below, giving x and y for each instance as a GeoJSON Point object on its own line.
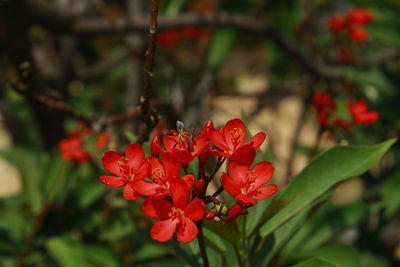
{"type": "Point", "coordinates": [249, 184]}
{"type": "Point", "coordinates": [157, 175]}
{"type": "Point", "coordinates": [176, 214]}
{"type": "Point", "coordinates": [124, 169]}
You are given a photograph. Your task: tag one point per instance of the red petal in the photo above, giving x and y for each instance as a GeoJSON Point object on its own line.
{"type": "Point", "coordinates": [229, 184]}
{"type": "Point", "coordinates": [199, 143]}
{"type": "Point", "coordinates": [143, 171]}
{"type": "Point", "coordinates": [156, 208]}
{"type": "Point", "coordinates": [195, 209]}
{"type": "Point", "coordinates": [237, 128]}
{"type": "Point", "coordinates": [264, 171]}
{"type": "Point", "coordinates": [135, 155]}
{"type": "Point", "coordinates": [187, 231]}
{"type": "Point", "coordinates": [189, 180]}
{"type": "Point", "coordinates": [146, 188]}
{"type": "Point", "coordinates": [257, 140]}
{"type": "Point", "coordinates": [264, 192]}
{"type": "Point", "coordinates": [244, 155]}
{"type": "Point", "coordinates": [171, 166]}
{"type": "Point", "coordinates": [110, 161]}
{"type": "Point", "coordinates": [220, 153]}
{"type": "Point", "coordinates": [155, 146]}
{"type": "Point", "coordinates": [182, 155]}
{"type": "Point", "coordinates": [218, 140]}
{"type": "Point", "coordinates": [129, 193]}
{"type": "Point", "coordinates": [113, 181]}
{"type": "Point", "coordinates": [245, 199]}
{"type": "Point", "coordinates": [163, 231]}
{"type": "Point", "coordinates": [155, 164]}
{"type": "Point", "coordinates": [170, 139]}
{"type": "Point", "coordinates": [180, 193]}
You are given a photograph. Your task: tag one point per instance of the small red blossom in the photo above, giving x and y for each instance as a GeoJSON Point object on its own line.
{"type": "Point", "coordinates": [177, 217]}
{"type": "Point", "coordinates": [358, 34]}
{"type": "Point", "coordinates": [231, 139]}
{"type": "Point", "coordinates": [324, 102]}
{"type": "Point", "coordinates": [182, 146]}
{"type": "Point", "coordinates": [102, 140]}
{"type": "Point", "coordinates": [360, 113]}
{"type": "Point", "coordinates": [247, 184]}
{"type": "Point", "coordinates": [71, 149]}
{"type": "Point", "coordinates": [235, 211]}
{"type": "Point", "coordinates": [168, 39]}
{"type": "Point", "coordinates": [162, 172]}
{"type": "Point", "coordinates": [126, 170]}
{"type": "Point", "coordinates": [337, 23]}
{"type": "Point", "coordinates": [346, 56]}
{"type": "Point", "coordinates": [359, 16]}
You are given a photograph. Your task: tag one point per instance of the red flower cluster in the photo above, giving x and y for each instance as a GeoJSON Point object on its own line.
{"type": "Point", "coordinates": [170, 39]}
{"type": "Point", "coordinates": [178, 201]}
{"type": "Point", "coordinates": [325, 106]}
{"type": "Point", "coordinates": [72, 147]}
{"type": "Point", "coordinates": [353, 22]}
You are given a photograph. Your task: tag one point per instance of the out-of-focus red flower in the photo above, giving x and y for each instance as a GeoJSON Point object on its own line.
{"type": "Point", "coordinates": [102, 140]}
{"type": "Point", "coordinates": [247, 184]}
{"type": "Point", "coordinates": [358, 34]}
{"type": "Point", "coordinates": [177, 217]}
{"type": "Point", "coordinates": [126, 170]}
{"type": "Point", "coordinates": [191, 32]}
{"type": "Point", "coordinates": [359, 16]}
{"type": "Point", "coordinates": [346, 56]}
{"type": "Point", "coordinates": [162, 172]}
{"type": "Point", "coordinates": [360, 113]}
{"type": "Point", "coordinates": [211, 215]}
{"type": "Point", "coordinates": [231, 139]}
{"type": "Point", "coordinates": [324, 102]}
{"type": "Point", "coordinates": [168, 39]}
{"type": "Point", "coordinates": [337, 23]}
{"type": "Point", "coordinates": [71, 149]}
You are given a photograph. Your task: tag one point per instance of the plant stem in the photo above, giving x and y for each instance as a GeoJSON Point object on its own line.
{"type": "Point", "coordinates": [238, 256]}
{"type": "Point", "coordinates": [202, 246]}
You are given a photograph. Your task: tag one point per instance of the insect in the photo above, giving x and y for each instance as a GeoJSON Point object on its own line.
{"type": "Point", "coordinates": [184, 136]}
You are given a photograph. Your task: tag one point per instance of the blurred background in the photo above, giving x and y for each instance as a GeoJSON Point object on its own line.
{"type": "Point", "coordinates": [75, 68]}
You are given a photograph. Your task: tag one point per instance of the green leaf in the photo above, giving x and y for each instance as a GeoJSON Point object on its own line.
{"type": "Point", "coordinates": [390, 194]}
{"type": "Point", "coordinates": [373, 260]}
{"type": "Point", "coordinates": [67, 252]}
{"type": "Point", "coordinates": [315, 262]}
{"type": "Point", "coordinates": [220, 47]}
{"type": "Point", "coordinates": [339, 255]}
{"type": "Point", "coordinates": [28, 162]}
{"type": "Point", "coordinates": [333, 166]}
{"type": "Point", "coordinates": [228, 231]}
{"type": "Point", "coordinates": [89, 193]}
{"type": "Point", "coordinates": [323, 227]}
{"type": "Point", "coordinates": [174, 6]}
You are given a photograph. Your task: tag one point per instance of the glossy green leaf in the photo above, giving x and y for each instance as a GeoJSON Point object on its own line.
{"type": "Point", "coordinates": [315, 262]}
{"type": "Point", "coordinates": [333, 166]}
{"type": "Point", "coordinates": [68, 253]}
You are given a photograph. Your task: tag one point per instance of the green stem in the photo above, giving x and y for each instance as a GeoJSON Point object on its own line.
{"type": "Point", "coordinates": [238, 256]}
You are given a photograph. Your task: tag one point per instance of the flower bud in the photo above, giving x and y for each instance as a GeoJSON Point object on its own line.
{"type": "Point", "coordinates": [210, 215]}
{"type": "Point", "coordinates": [198, 187]}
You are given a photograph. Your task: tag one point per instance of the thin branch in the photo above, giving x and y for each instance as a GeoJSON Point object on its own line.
{"type": "Point", "coordinates": [149, 58]}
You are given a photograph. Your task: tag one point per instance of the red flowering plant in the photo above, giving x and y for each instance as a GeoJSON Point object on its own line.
{"type": "Point", "coordinates": [76, 146]}
{"type": "Point", "coordinates": [349, 27]}
{"type": "Point", "coordinates": [325, 107]}
{"type": "Point", "coordinates": [181, 199]}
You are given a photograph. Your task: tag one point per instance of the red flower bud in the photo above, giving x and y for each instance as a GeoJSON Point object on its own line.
{"type": "Point", "coordinates": [358, 34]}
{"type": "Point", "coordinates": [198, 187]}
{"type": "Point", "coordinates": [210, 215]}
{"type": "Point", "coordinates": [336, 23]}
{"type": "Point", "coordinates": [359, 16]}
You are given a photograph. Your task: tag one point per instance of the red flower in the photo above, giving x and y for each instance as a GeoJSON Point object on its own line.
{"type": "Point", "coordinates": [162, 172]}
{"type": "Point", "coordinates": [168, 39]}
{"type": "Point", "coordinates": [336, 23]}
{"type": "Point", "coordinates": [231, 138]}
{"type": "Point", "coordinates": [71, 149]}
{"type": "Point", "coordinates": [346, 56]}
{"type": "Point", "coordinates": [182, 146]}
{"type": "Point", "coordinates": [360, 114]}
{"type": "Point", "coordinates": [126, 170]}
{"type": "Point", "coordinates": [359, 16]}
{"type": "Point", "coordinates": [102, 140]}
{"type": "Point", "coordinates": [324, 102]}
{"type": "Point", "coordinates": [358, 34]}
{"type": "Point", "coordinates": [177, 217]}
{"type": "Point", "coordinates": [248, 184]}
